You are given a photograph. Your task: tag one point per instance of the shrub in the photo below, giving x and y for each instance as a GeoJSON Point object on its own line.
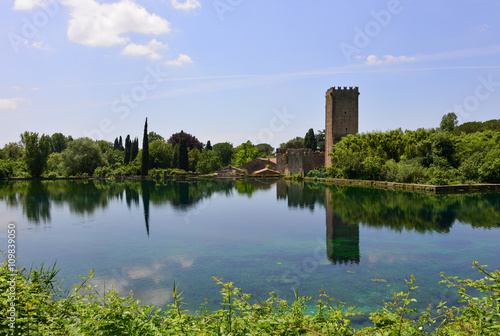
{"type": "Point", "coordinates": [42, 308]}
{"type": "Point", "coordinates": [104, 171]}
{"type": "Point", "coordinates": [156, 173]}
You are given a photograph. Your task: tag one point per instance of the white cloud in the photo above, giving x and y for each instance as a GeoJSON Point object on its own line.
{"type": "Point", "coordinates": [150, 50]}
{"type": "Point", "coordinates": [28, 4]}
{"type": "Point", "coordinates": [374, 60]}
{"type": "Point", "coordinates": [40, 45]}
{"type": "Point", "coordinates": [94, 24]}
{"type": "Point", "coordinates": [11, 104]}
{"type": "Point", "coordinates": [482, 28]}
{"type": "Point", "coordinates": [181, 60]}
{"type": "Point", "coordinates": [187, 5]}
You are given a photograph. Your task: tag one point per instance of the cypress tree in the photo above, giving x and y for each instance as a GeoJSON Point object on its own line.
{"type": "Point", "coordinates": [209, 145]}
{"type": "Point", "coordinates": [310, 140]}
{"type": "Point", "coordinates": [175, 158]}
{"type": "Point", "coordinates": [115, 145]}
{"type": "Point", "coordinates": [183, 155]}
{"type": "Point", "coordinates": [145, 151]}
{"type": "Point", "coordinates": [120, 143]}
{"type": "Point", "coordinates": [135, 149]}
{"type": "Point", "coordinates": [128, 150]}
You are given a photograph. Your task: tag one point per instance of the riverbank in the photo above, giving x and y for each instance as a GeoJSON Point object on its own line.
{"type": "Point", "coordinates": [410, 187]}
{"type": "Point", "coordinates": [420, 188]}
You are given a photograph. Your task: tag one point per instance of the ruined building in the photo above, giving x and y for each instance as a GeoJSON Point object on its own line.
{"type": "Point", "coordinates": [298, 161]}
{"type": "Point", "coordinates": [341, 118]}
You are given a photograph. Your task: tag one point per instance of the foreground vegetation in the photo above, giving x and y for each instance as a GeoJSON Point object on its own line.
{"type": "Point", "coordinates": [41, 308]}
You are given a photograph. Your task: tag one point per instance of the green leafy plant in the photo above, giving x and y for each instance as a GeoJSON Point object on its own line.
{"type": "Point", "coordinates": [42, 308]}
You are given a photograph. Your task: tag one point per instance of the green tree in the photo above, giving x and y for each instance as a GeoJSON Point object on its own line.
{"type": "Point", "coordinates": [128, 150]}
{"type": "Point", "coordinates": [36, 152]}
{"type": "Point", "coordinates": [193, 157]}
{"type": "Point", "coordinates": [175, 157]}
{"type": "Point", "coordinates": [208, 146]}
{"type": "Point", "coordinates": [320, 140]}
{"type": "Point", "coordinates": [183, 155]}
{"type": "Point", "coordinates": [310, 140]}
{"type": "Point", "coordinates": [153, 136]}
{"type": "Point", "coordinates": [244, 153]}
{"type": "Point", "coordinates": [58, 142]}
{"type": "Point", "coordinates": [54, 162]}
{"type": "Point", "coordinates": [120, 144]}
{"type": "Point", "coordinates": [449, 122]}
{"type": "Point", "coordinates": [224, 151]}
{"type": "Point", "coordinates": [160, 154]}
{"type": "Point", "coordinates": [145, 151]}
{"type": "Point", "coordinates": [208, 162]}
{"type": "Point", "coordinates": [12, 151]}
{"type": "Point", "coordinates": [265, 150]}
{"type": "Point", "coordinates": [82, 156]}
{"type": "Point", "coordinates": [135, 149]}
{"type": "Point", "coordinates": [297, 142]}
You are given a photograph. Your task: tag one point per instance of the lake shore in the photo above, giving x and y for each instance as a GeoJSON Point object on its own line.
{"type": "Point", "coordinates": [410, 187]}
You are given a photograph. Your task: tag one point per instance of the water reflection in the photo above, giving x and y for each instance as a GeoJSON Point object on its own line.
{"type": "Point", "coordinates": [348, 207]}
{"type": "Point", "coordinates": [261, 247]}
{"type": "Point", "coordinates": [85, 197]}
{"type": "Point", "coordinates": [344, 206]}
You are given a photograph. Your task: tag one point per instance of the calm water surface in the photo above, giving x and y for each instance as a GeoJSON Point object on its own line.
{"type": "Point", "coordinates": [264, 235]}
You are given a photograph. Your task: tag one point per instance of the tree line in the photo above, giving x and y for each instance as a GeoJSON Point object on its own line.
{"type": "Point", "coordinates": [450, 154]}
{"type": "Point", "coordinates": [59, 155]}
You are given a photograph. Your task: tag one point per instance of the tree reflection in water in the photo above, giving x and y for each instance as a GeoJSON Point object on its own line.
{"type": "Point", "coordinates": [346, 207]}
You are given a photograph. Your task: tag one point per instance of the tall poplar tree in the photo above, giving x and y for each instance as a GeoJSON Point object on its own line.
{"type": "Point", "coordinates": [145, 151]}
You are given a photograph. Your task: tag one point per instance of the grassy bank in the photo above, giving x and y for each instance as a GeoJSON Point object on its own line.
{"type": "Point", "coordinates": [33, 304]}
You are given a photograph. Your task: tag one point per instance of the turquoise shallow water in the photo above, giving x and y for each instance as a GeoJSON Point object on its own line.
{"type": "Point", "coordinates": [263, 235]}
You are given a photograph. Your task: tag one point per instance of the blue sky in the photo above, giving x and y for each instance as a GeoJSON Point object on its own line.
{"type": "Point", "coordinates": [237, 70]}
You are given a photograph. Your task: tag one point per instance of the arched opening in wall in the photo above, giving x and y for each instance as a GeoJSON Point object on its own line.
{"type": "Point", "coordinates": [346, 129]}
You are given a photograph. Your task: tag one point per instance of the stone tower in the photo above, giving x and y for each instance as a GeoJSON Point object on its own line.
{"type": "Point", "coordinates": [341, 116]}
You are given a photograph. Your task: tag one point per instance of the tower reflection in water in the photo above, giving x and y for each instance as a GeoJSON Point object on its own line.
{"type": "Point", "coordinates": [342, 238]}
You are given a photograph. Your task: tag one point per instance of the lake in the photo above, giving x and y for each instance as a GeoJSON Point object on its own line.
{"type": "Point", "coordinates": [263, 235]}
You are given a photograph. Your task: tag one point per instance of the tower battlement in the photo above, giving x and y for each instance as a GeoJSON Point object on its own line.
{"type": "Point", "coordinates": [343, 89]}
